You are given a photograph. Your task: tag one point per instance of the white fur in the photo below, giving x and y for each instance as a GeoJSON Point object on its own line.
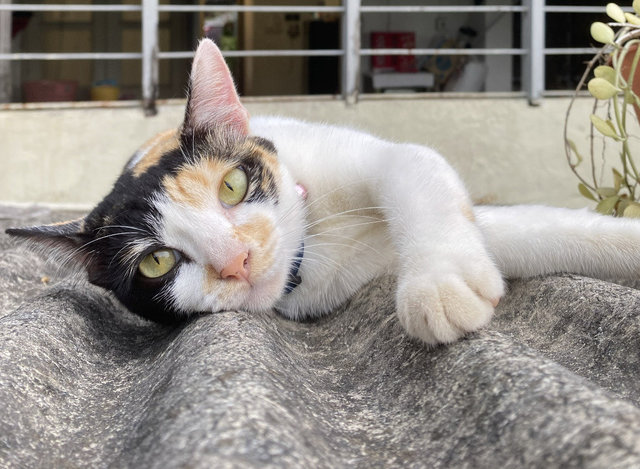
{"type": "Point", "coordinates": [374, 205]}
{"type": "Point", "coordinates": [533, 240]}
{"type": "Point", "coordinates": [448, 267]}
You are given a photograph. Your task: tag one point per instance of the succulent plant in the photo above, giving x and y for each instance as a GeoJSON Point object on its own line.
{"type": "Point", "coordinates": [616, 88]}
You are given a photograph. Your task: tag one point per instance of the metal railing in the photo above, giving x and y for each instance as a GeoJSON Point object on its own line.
{"type": "Point", "coordinates": [533, 49]}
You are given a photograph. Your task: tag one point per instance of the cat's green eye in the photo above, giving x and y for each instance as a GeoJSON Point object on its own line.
{"type": "Point", "coordinates": [158, 263]}
{"type": "Point", "coordinates": [234, 187]}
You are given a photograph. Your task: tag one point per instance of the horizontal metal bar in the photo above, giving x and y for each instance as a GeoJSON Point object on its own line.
{"type": "Point", "coordinates": [278, 99]}
{"type": "Point", "coordinates": [566, 93]}
{"type": "Point", "coordinates": [252, 8]}
{"type": "Point", "coordinates": [418, 51]}
{"type": "Point", "coordinates": [173, 8]}
{"type": "Point", "coordinates": [284, 53]}
{"type": "Point", "coordinates": [305, 9]}
{"type": "Point", "coordinates": [494, 51]}
{"type": "Point", "coordinates": [442, 9]}
{"type": "Point", "coordinates": [260, 53]}
{"type": "Point", "coordinates": [37, 7]}
{"type": "Point", "coordinates": [570, 51]}
{"type": "Point", "coordinates": [72, 56]}
{"type": "Point", "coordinates": [425, 95]}
{"type": "Point", "coordinates": [579, 9]}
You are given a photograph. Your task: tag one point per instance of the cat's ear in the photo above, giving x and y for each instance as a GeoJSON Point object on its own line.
{"type": "Point", "coordinates": [213, 100]}
{"type": "Point", "coordinates": [67, 240]}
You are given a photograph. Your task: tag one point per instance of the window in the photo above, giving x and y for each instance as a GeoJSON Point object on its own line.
{"type": "Point", "coordinates": [351, 48]}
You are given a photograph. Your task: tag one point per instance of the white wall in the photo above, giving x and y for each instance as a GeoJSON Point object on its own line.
{"type": "Point", "coordinates": [506, 151]}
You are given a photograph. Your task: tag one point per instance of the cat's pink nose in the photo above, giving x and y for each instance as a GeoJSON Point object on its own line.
{"type": "Point", "coordinates": [238, 268]}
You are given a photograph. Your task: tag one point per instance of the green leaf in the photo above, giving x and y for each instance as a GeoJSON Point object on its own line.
{"type": "Point", "coordinates": [633, 19]}
{"type": "Point", "coordinates": [607, 205]}
{"type": "Point", "coordinates": [606, 192]}
{"type": "Point", "coordinates": [601, 88]}
{"type": "Point", "coordinates": [622, 206]}
{"type": "Point", "coordinates": [636, 6]}
{"type": "Point", "coordinates": [574, 148]}
{"type": "Point", "coordinates": [585, 192]}
{"type": "Point", "coordinates": [602, 32]}
{"type": "Point", "coordinates": [605, 72]}
{"type": "Point", "coordinates": [615, 12]}
{"type": "Point", "coordinates": [632, 210]}
{"type": "Point", "coordinates": [617, 179]}
{"type": "Point", "coordinates": [605, 127]}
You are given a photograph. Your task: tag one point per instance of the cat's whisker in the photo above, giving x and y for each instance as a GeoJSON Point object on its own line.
{"type": "Point", "coordinates": [328, 194]}
{"type": "Point", "coordinates": [321, 198]}
{"type": "Point", "coordinates": [317, 245]}
{"type": "Point", "coordinates": [373, 221]}
{"type": "Point", "coordinates": [333, 235]}
{"type": "Point", "coordinates": [351, 212]}
{"type": "Point", "coordinates": [318, 257]}
{"type": "Point", "coordinates": [62, 261]}
{"type": "Point", "coordinates": [321, 263]}
{"type": "Point", "coordinates": [353, 225]}
{"type": "Point", "coordinates": [83, 248]}
{"type": "Point", "coordinates": [110, 235]}
{"type": "Point", "coordinates": [135, 247]}
{"type": "Point", "coordinates": [347, 213]}
{"type": "Point", "coordinates": [125, 227]}
{"type": "Point", "coordinates": [329, 231]}
{"type": "Point", "coordinates": [318, 222]}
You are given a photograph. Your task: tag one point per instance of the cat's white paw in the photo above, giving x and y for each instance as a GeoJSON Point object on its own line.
{"type": "Point", "coordinates": [443, 305]}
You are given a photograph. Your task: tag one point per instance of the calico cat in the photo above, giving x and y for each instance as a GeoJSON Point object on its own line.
{"type": "Point", "coordinates": [236, 213]}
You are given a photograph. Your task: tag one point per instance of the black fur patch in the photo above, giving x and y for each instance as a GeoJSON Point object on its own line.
{"type": "Point", "coordinates": [125, 215]}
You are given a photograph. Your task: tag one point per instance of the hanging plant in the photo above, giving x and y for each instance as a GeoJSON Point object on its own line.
{"type": "Point", "coordinates": [614, 82]}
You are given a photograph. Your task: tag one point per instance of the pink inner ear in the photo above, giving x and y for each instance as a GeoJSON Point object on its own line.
{"type": "Point", "coordinates": [214, 100]}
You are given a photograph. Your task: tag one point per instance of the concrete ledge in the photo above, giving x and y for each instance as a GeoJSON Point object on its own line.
{"type": "Point", "coordinates": [507, 151]}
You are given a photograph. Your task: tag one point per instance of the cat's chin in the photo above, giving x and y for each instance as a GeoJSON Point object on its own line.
{"type": "Point", "coordinates": [260, 296]}
{"type": "Point", "coordinates": [263, 295]}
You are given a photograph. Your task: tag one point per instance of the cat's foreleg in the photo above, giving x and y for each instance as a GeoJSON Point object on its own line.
{"type": "Point", "coordinates": [448, 284]}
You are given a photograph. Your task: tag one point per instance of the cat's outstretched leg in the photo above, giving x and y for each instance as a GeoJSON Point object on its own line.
{"type": "Point", "coordinates": [448, 284]}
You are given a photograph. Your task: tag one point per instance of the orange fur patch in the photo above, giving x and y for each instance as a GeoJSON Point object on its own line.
{"type": "Point", "coordinates": [154, 149]}
{"type": "Point", "coordinates": [213, 283]}
{"type": "Point", "coordinates": [269, 162]}
{"type": "Point", "coordinates": [270, 159]}
{"type": "Point", "coordinates": [258, 232]}
{"type": "Point", "coordinates": [211, 279]}
{"type": "Point", "coordinates": [196, 185]}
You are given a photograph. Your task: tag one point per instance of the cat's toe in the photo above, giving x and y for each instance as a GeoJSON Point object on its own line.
{"type": "Point", "coordinates": [422, 314]}
{"type": "Point", "coordinates": [441, 310]}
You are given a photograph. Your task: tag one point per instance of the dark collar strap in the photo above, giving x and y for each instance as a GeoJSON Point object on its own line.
{"type": "Point", "coordinates": [294, 279]}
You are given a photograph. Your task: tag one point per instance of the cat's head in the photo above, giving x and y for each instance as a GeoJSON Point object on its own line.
{"type": "Point", "coordinates": [202, 219]}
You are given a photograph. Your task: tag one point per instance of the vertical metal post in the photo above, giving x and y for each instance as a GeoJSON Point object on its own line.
{"type": "Point", "coordinates": [533, 39]}
{"type": "Point", "coordinates": [149, 56]}
{"type": "Point", "coordinates": [5, 48]}
{"type": "Point", "coordinates": [351, 48]}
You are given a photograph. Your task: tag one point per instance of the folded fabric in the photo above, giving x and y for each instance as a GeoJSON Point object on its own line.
{"type": "Point", "coordinates": [554, 381]}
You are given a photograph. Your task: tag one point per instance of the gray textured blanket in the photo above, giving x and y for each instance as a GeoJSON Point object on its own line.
{"type": "Point", "coordinates": [553, 382]}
